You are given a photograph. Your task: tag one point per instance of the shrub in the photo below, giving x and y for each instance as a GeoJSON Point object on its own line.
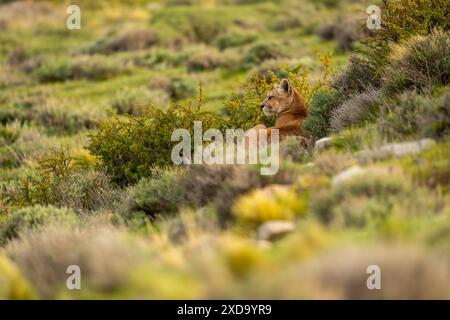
{"type": "Point", "coordinates": [192, 23]}
{"type": "Point", "coordinates": [34, 217]}
{"type": "Point", "coordinates": [355, 139]}
{"type": "Point", "coordinates": [420, 62]}
{"type": "Point", "coordinates": [219, 185]}
{"type": "Point", "coordinates": [271, 203]}
{"type": "Point", "coordinates": [158, 195]}
{"type": "Point", "coordinates": [81, 67]}
{"type": "Point", "coordinates": [262, 51]}
{"type": "Point", "coordinates": [19, 106]}
{"type": "Point", "coordinates": [431, 167]}
{"type": "Point", "coordinates": [372, 198]}
{"type": "Point", "coordinates": [339, 274]}
{"type": "Point", "coordinates": [38, 187]}
{"type": "Point", "coordinates": [104, 255]}
{"type": "Point", "coordinates": [57, 71]}
{"type": "Point", "coordinates": [17, 56]}
{"type": "Point", "coordinates": [206, 27]}
{"type": "Point", "coordinates": [65, 180]}
{"type": "Point", "coordinates": [86, 192]}
{"type": "Point", "coordinates": [232, 40]}
{"type": "Point", "coordinates": [132, 101]}
{"type": "Point", "coordinates": [204, 182]}
{"type": "Point", "coordinates": [161, 83]}
{"type": "Point", "coordinates": [167, 191]}
{"type": "Point", "coordinates": [272, 67]}
{"type": "Point", "coordinates": [13, 285]}
{"type": "Point", "coordinates": [410, 115]}
{"type": "Point", "coordinates": [283, 23]}
{"type": "Point", "coordinates": [356, 111]}
{"type": "Point", "coordinates": [294, 149]}
{"type": "Point", "coordinates": [59, 118]}
{"type": "Point", "coordinates": [399, 116]}
{"type": "Point", "coordinates": [204, 58]}
{"type": "Point", "coordinates": [244, 109]}
{"type": "Point", "coordinates": [128, 40]}
{"type": "Point", "coordinates": [360, 75]}
{"type": "Point", "coordinates": [27, 144]}
{"type": "Point", "coordinates": [436, 121]}
{"type": "Point", "coordinates": [322, 105]}
{"type": "Point", "coordinates": [129, 148]}
{"type": "Point", "coordinates": [157, 56]}
{"type": "Point", "coordinates": [178, 88]}
{"type": "Point", "coordinates": [329, 3]}
{"type": "Point", "coordinates": [403, 19]}
{"type": "Point", "coordinates": [9, 133]}
{"type": "Point", "coordinates": [332, 162]}
{"type": "Point", "coordinates": [345, 31]}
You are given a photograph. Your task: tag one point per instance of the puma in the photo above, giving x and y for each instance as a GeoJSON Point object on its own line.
{"type": "Point", "coordinates": [289, 108]}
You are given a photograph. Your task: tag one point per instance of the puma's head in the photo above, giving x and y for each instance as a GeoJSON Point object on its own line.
{"type": "Point", "coordinates": [278, 99]}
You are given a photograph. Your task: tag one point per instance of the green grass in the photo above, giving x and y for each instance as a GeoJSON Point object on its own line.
{"type": "Point", "coordinates": [193, 232]}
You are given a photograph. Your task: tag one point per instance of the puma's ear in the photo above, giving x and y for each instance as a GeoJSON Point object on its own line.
{"type": "Point", "coordinates": [285, 86]}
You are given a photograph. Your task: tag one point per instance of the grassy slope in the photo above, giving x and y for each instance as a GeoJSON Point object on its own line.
{"type": "Point", "coordinates": [214, 263]}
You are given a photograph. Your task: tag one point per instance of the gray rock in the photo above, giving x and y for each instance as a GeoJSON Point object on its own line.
{"type": "Point", "coordinates": [346, 175]}
{"type": "Point", "coordinates": [273, 230]}
{"type": "Point", "coordinates": [323, 143]}
{"type": "Point", "coordinates": [407, 148]}
{"type": "Point", "coordinates": [396, 150]}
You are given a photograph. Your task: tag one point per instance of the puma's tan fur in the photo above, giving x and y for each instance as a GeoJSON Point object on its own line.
{"type": "Point", "coordinates": [288, 106]}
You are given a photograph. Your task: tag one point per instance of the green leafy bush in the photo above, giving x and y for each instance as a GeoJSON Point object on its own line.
{"type": "Point", "coordinates": [159, 195]}
{"type": "Point", "coordinates": [402, 19]}
{"type": "Point", "coordinates": [34, 218]}
{"type": "Point", "coordinates": [244, 109]}
{"type": "Point", "coordinates": [322, 105]}
{"type": "Point", "coordinates": [129, 148]}
{"type": "Point", "coordinates": [65, 180]}
{"type": "Point", "coordinates": [355, 139]}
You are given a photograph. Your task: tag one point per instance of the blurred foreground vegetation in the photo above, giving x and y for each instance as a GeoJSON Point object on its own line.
{"type": "Point", "coordinates": [85, 171]}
